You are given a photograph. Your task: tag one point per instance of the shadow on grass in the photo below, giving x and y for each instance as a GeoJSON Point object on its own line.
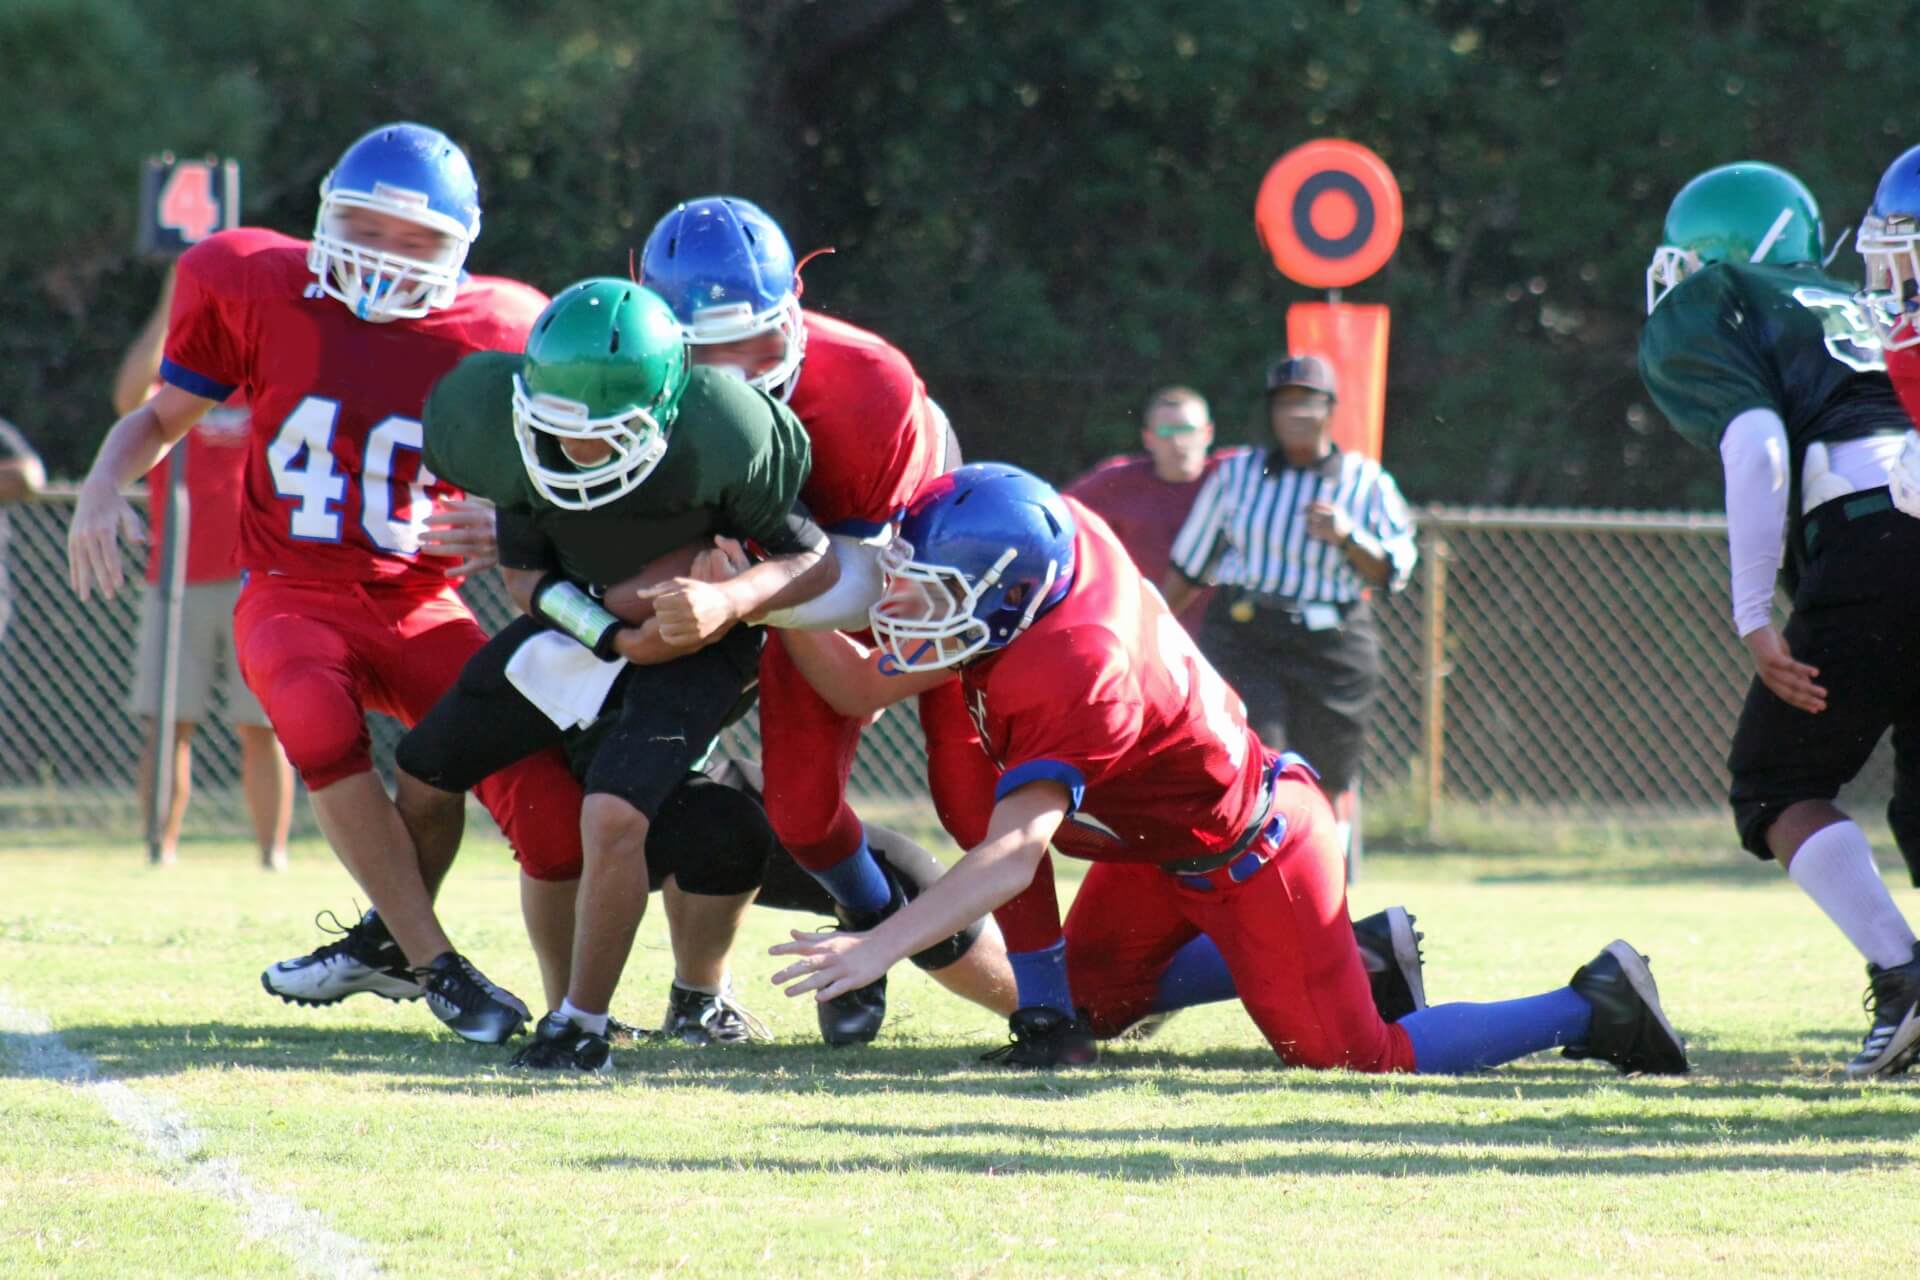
{"type": "Point", "coordinates": [425, 1062]}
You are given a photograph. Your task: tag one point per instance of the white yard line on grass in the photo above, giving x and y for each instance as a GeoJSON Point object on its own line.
{"type": "Point", "coordinates": [283, 1223]}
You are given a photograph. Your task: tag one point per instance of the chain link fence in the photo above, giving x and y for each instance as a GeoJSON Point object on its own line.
{"type": "Point", "coordinates": [1574, 662]}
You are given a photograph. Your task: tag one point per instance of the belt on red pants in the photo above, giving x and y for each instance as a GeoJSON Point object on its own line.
{"type": "Point", "coordinates": [1247, 854]}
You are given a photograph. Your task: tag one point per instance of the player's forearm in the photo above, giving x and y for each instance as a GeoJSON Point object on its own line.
{"type": "Point", "coordinates": [993, 873]}
{"type": "Point", "coordinates": [781, 583]}
{"type": "Point", "coordinates": [848, 675]}
{"type": "Point", "coordinates": [132, 447]}
{"type": "Point", "coordinates": [1754, 452]}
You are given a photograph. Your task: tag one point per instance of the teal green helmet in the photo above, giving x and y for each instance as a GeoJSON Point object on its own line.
{"type": "Point", "coordinates": [1743, 212]}
{"type": "Point", "coordinates": [604, 371]}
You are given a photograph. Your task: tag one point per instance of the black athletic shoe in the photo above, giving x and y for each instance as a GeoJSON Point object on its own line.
{"type": "Point", "coordinates": [1045, 1038]}
{"type": "Point", "coordinates": [619, 1032]}
{"type": "Point", "coordinates": [363, 957]}
{"type": "Point", "coordinates": [559, 1045]}
{"type": "Point", "coordinates": [1893, 1000]}
{"type": "Point", "coordinates": [1629, 1029]}
{"type": "Point", "coordinates": [463, 998]}
{"type": "Point", "coordinates": [697, 1018]}
{"type": "Point", "coordinates": [1391, 948]}
{"type": "Point", "coordinates": [855, 1018]}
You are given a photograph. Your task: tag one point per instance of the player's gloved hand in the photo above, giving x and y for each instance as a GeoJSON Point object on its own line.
{"type": "Point", "coordinates": [829, 964]}
{"type": "Point", "coordinates": [1791, 680]}
{"type": "Point", "coordinates": [100, 519]}
{"type": "Point", "coordinates": [1903, 478]}
{"type": "Point", "coordinates": [464, 528]}
{"type": "Point", "coordinates": [1044, 1039]}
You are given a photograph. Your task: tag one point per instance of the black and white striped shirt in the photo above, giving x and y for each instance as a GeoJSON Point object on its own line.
{"type": "Point", "coordinates": [1248, 526]}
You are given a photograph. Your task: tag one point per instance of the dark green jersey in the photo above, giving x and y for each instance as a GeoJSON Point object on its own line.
{"type": "Point", "coordinates": [1734, 337]}
{"type": "Point", "coordinates": [734, 464]}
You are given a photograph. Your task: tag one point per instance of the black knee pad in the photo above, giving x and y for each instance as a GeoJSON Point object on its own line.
{"type": "Point", "coordinates": [712, 839]}
{"type": "Point", "coordinates": [948, 949]}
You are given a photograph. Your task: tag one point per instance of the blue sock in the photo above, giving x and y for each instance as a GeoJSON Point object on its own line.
{"type": "Point", "coordinates": [1451, 1039]}
{"type": "Point", "coordinates": [1195, 975]}
{"type": "Point", "coordinates": [856, 881]}
{"type": "Point", "coordinates": [1040, 977]}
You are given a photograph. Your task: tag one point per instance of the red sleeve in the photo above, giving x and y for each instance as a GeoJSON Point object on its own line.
{"type": "Point", "coordinates": [208, 351]}
{"type": "Point", "coordinates": [1092, 486]}
{"type": "Point", "coordinates": [1070, 713]}
{"type": "Point", "coordinates": [1903, 366]}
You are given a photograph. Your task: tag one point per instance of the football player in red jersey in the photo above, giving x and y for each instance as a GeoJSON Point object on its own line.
{"type": "Point", "coordinates": [1216, 869]}
{"type": "Point", "coordinates": [728, 272]}
{"type": "Point", "coordinates": [336, 343]}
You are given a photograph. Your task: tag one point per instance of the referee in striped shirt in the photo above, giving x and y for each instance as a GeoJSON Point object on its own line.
{"type": "Point", "coordinates": [1295, 536]}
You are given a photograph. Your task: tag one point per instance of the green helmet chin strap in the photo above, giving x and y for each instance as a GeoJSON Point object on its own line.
{"type": "Point", "coordinates": [598, 392]}
{"type": "Point", "coordinates": [1744, 212]}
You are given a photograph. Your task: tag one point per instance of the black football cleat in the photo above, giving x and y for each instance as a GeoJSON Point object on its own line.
{"type": "Point", "coordinates": [698, 1018]}
{"type": "Point", "coordinates": [463, 998]}
{"type": "Point", "coordinates": [363, 957]}
{"type": "Point", "coordinates": [1629, 1029]}
{"type": "Point", "coordinates": [1390, 946]}
{"type": "Point", "coordinates": [1893, 1000]}
{"type": "Point", "coordinates": [855, 1017]}
{"type": "Point", "coordinates": [1045, 1038]}
{"type": "Point", "coordinates": [559, 1045]}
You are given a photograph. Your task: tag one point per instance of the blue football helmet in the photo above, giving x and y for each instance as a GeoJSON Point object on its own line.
{"type": "Point", "coordinates": [727, 271]}
{"type": "Point", "coordinates": [981, 553]}
{"type": "Point", "coordinates": [1889, 242]}
{"type": "Point", "coordinates": [407, 171]}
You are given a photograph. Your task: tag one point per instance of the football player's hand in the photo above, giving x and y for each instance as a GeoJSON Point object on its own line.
{"type": "Point", "coordinates": [638, 644]}
{"type": "Point", "coordinates": [100, 519]}
{"type": "Point", "coordinates": [1791, 680]}
{"type": "Point", "coordinates": [1328, 523]}
{"type": "Point", "coordinates": [828, 964]}
{"type": "Point", "coordinates": [691, 612]}
{"type": "Point", "coordinates": [462, 528]}
{"type": "Point", "coordinates": [725, 559]}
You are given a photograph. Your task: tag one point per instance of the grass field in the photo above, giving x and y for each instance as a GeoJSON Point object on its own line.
{"type": "Point", "coordinates": [224, 1133]}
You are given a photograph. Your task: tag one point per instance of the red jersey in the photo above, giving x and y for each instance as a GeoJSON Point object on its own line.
{"type": "Point", "coordinates": [1145, 513]}
{"type": "Point", "coordinates": [216, 451]}
{"type": "Point", "coordinates": [1106, 694]}
{"type": "Point", "coordinates": [875, 437]}
{"type": "Point", "coordinates": [335, 488]}
{"type": "Point", "coordinates": [1903, 366]}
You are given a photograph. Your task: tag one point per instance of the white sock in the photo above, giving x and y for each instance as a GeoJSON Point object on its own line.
{"type": "Point", "coordinates": [594, 1022]}
{"type": "Point", "coordinates": [1835, 868]}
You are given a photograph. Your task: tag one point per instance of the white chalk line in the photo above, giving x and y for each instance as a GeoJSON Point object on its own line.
{"type": "Point", "coordinates": [283, 1223]}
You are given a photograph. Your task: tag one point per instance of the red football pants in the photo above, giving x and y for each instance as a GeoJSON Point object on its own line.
{"type": "Point", "coordinates": [1283, 932]}
{"type": "Point", "coordinates": [320, 655]}
{"type": "Point", "coordinates": [807, 751]}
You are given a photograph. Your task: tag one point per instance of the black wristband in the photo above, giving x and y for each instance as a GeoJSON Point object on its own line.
{"type": "Point", "coordinates": [560, 601]}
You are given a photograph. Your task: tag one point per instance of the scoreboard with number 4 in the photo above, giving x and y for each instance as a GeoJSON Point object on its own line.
{"type": "Point", "coordinates": [182, 202]}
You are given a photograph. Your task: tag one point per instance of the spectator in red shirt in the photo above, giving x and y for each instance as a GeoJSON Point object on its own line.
{"type": "Point", "coordinates": [1146, 499]}
{"type": "Point", "coordinates": [216, 452]}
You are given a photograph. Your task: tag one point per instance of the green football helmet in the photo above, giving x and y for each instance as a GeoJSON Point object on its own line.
{"type": "Point", "coordinates": [1743, 212]}
{"type": "Point", "coordinates": [605, 365]}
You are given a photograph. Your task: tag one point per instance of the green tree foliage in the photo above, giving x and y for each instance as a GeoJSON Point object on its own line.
{"type": "Point", "coordinates": [1047, 203]}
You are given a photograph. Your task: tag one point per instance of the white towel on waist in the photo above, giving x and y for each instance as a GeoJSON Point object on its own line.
{"type": "Point", "coordinates": [561, 676]}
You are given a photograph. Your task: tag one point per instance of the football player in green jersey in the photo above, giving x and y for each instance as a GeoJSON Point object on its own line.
{"type": "Point", "coordinates": [1751, 350]}
{"type": "Point", "coordinates": [624, 453]}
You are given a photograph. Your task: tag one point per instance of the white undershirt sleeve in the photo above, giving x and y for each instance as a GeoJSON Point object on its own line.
{"type": "Point", "coordinates": [1754, 451]}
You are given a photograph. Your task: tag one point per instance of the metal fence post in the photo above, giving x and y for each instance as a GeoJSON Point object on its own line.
{"type": "Point", "coordinates": [173, 593]}
{"type": "Point", "coordinates": [1433, 712]}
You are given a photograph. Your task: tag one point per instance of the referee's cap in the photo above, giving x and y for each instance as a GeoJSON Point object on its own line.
{"type": "Point", "coordinates": [1315, 373]}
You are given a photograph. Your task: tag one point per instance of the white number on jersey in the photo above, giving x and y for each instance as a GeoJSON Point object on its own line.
{"type": "Point", "coordinates": [303, 466]}
{"type": "Point", "coordinates": [1189, 669]}
{"type": "Point", "coordinates": [1850, 337]}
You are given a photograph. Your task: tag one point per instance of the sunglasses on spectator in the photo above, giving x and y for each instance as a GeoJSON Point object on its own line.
{"type": "Point", "coordinates": [1168, 430]}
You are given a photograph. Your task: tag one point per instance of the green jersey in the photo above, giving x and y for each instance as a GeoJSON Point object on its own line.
{"type": "Point", "coordinates": [734, 465]}
{"type": "Point", "coordinates": [1735, 337]}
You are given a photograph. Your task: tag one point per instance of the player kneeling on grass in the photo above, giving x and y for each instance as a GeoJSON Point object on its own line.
{"type": "Point", "coordinates": [624, 454]}
{"type": "Point", "coordinates": [1215, 866]}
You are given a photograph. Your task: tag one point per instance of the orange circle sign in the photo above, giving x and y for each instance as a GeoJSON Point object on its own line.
{"type": "Point", "coordinates": [1329, 213]}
